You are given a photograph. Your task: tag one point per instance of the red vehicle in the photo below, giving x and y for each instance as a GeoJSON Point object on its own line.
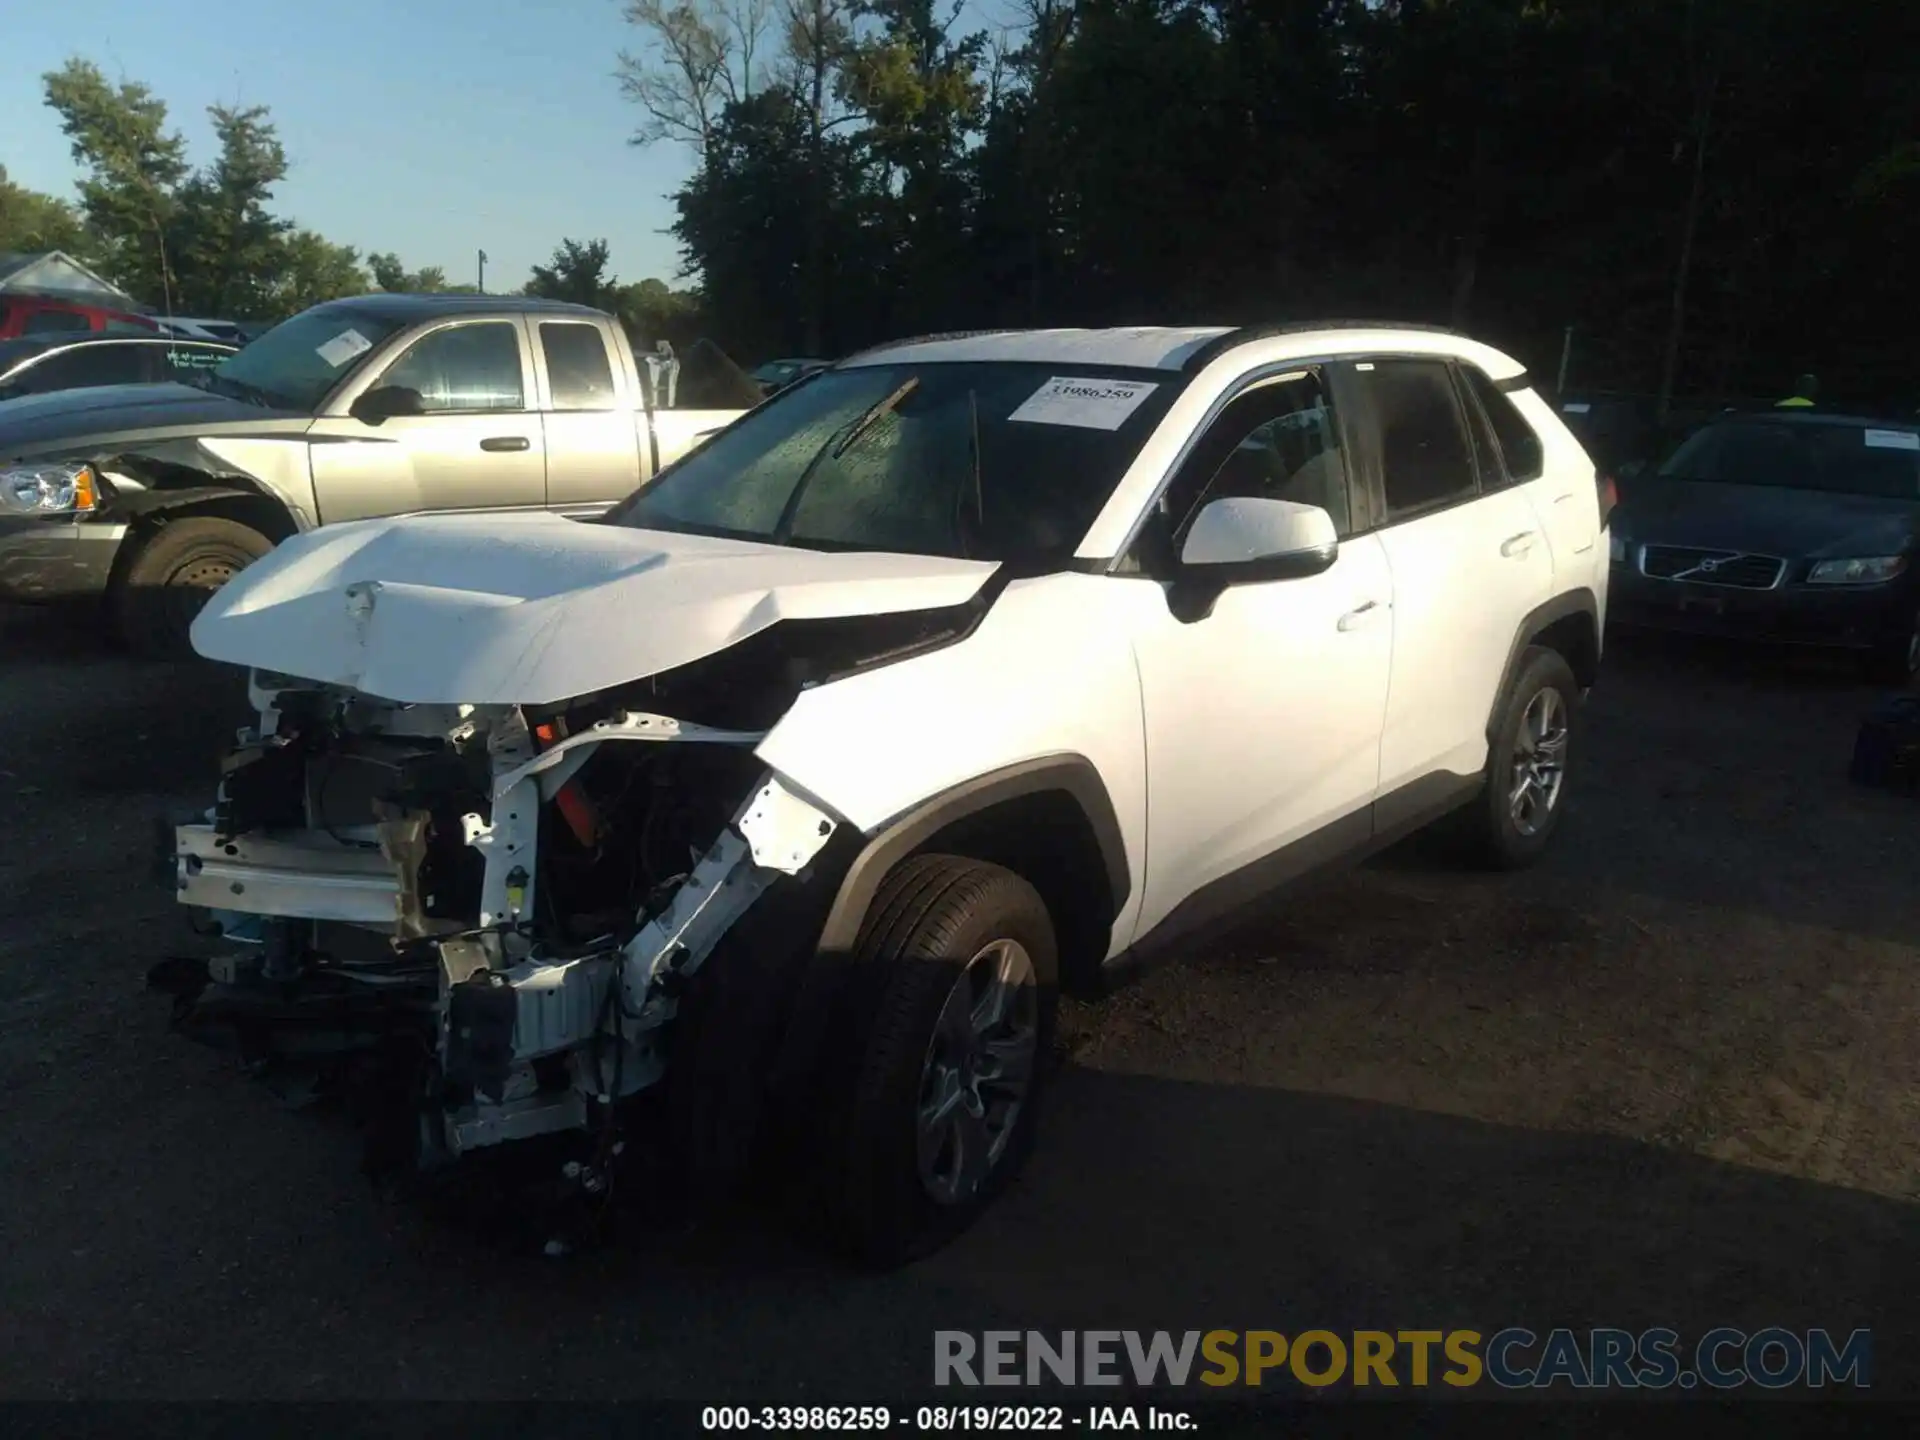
{"type": "Point", "coordinates": [44, 315]}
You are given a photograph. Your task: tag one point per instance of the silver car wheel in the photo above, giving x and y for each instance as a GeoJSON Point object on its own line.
{"type": "Point", "coordinates": [1539, 762]}
{"type": "Point", "coordinates": [977, 1072]}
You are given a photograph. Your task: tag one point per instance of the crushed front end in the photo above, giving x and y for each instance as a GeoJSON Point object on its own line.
{"type": "Point", "coordinates": [490, 910]}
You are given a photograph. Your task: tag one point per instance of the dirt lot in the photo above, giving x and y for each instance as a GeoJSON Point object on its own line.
{"type": "Point", "coordinates": [1669, 1078]}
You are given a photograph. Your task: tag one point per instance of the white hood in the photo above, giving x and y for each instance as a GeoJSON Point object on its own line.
{"type": "Point", "coordinates": [533, 609]}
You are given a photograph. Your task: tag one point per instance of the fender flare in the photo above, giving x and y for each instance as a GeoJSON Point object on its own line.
{"type": "Point", "coordinates": [898, 838]}
{"type": "Point", "coordinates": [1581, 601]}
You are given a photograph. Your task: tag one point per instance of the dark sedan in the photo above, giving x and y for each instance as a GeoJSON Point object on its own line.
{"type": "Point", "coordinates": [43, 363]}
{"type": "Point", "coordinates": [1788, 527]}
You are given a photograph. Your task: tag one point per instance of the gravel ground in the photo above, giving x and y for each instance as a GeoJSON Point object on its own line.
{"type": "Point", "coordinates": [1670, 1077]}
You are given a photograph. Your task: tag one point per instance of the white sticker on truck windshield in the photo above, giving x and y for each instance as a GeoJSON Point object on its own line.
{"type": "Point", "coordinates": [1893, 440]}
{"type": "Point", "coordinates": [1088, 403]}
{"type": "Point", "coordinates": [343, 347]}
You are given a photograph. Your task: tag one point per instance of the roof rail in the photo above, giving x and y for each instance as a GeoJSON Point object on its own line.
{"type": "Point", "coordinates": [1217, 346]}
{"type": "Point", "coordinates": [929, 339]}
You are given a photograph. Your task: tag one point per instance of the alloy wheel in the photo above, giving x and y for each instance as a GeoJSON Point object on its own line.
{"type": "Point", "coordinates": [1539, 762]}
{"type": "Point", "coordinates": [978, 1071]}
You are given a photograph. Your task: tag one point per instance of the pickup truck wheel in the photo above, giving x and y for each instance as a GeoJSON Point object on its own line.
{"type": "Point", "coordinates": [963, 971]}
{"type": "Point", "coordinates": [166, 581]}
{"type": "Point", "coordinates": [1525, 794]}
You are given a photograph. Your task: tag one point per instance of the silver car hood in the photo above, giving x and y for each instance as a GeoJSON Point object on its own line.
{"type": "Point", "coordinates": [534, 609]}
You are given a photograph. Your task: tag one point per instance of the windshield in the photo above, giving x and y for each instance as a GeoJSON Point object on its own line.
{"type": "Point", "coordinates": [295, 365]}
{"type": "Point", "coordinates": [1849, 459]}
{"type": "Point", "coordinates": [984, 461]}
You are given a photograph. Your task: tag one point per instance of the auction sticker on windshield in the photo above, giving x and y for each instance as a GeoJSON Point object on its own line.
{"type": "Point", "coordinates": [1893, 440]}
{"type": "Point", "coordinates": [1089, 404]}
{"type": "Point", "coordinates": [343, 347]}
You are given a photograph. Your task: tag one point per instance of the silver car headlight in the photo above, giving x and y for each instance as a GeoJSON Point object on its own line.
{"type": "Point", "coordinates": [48, 489]}
{"type": "Point", "coordinates": [1868, 570]}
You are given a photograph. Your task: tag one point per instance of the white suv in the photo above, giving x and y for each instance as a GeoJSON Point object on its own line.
{"type": "Point", "coordinates": [785, 798]}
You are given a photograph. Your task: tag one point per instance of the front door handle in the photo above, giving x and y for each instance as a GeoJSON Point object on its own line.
{"type": "Point", "coordinates": [506, 442]}
{"type": "Point", "coordinates": [1361, 614]}
{"type": "Point", "coordinates": [1515, 547]}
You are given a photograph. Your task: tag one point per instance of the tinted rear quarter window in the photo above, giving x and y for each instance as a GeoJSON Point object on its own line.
{"type": "Point", "coordinates": [1425, 459]}
{"type": "Point", "coordinates": [1520, 448]}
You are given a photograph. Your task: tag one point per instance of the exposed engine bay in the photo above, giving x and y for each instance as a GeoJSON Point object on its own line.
{"type": "Point", "coordinates": [502, 903]}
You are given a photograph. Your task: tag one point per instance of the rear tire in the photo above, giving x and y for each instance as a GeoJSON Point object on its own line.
{"type": "Point", "coordinates": [1510, 824]}
{"type": "Point", "coordinates": [957, 986]}
{"type": "Point", "coordinates": [171, 575]}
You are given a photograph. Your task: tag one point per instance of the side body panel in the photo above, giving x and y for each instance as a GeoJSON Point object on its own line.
{"type": "Point", "coordinates": [1262, 719]}
{"type": "Point", "coordinates": [874, 745]}
{"type": "Point", "coordinates": [451, 460]}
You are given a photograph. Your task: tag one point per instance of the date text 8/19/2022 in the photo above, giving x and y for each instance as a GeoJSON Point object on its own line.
{"type": "Point", "coordinates": [940, 1419]}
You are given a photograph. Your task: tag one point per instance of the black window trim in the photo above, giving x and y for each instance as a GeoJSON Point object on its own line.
{"type": "Point", "coordinates": [1127, 553]}
{"type": "Point", "coordinates": [514, 322]}
{"type": "Point", "coordinates": [1509, 388]}
{"type": "Point", "coordinates": [1490, 470]}
{"type": "Point", "coordinates": [1382, 518]}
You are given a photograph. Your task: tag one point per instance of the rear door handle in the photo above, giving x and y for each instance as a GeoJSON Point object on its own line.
{"type": "Point", "coordinates": [506, 442]}
{"type": "Point", "coordinates": [1361, 614]}
{"type": "Point", "coordinates": [1515, 547]}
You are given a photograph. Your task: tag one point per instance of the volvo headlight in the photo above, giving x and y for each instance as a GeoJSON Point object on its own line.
{"type": "Point", "coordinates": [1868, 570]}
{"type": "Point", "coordinates": [48, 489]}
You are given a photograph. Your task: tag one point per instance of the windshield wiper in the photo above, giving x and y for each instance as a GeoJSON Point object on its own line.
{"type": "Point", "coordinates": [241, 390]}
{"type": "Point", "coordinates": [837, 444]}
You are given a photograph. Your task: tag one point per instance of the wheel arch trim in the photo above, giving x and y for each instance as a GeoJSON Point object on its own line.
{"type": "Point", "coordinates": [890, 843]}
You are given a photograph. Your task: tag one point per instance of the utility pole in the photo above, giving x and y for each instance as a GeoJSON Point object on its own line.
{"type": "Point", "coordinates": [481, 283]}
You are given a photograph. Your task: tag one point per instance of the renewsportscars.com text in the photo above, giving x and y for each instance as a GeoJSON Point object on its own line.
{"type": "Point", "coordinates": [1514, 1358]}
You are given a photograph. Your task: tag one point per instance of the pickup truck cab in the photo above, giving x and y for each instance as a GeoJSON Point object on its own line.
{"type": "Point", "coordinates": [153, 496]}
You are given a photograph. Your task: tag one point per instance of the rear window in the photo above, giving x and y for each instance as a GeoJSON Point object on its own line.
{"type": "Point", "coordinates": [1843, 458]}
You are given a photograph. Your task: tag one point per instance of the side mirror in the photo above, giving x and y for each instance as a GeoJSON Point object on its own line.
{"type": "Point", "coordinates": [384, 402]}
{"type": "Point", "coordinates": [1244, 540]}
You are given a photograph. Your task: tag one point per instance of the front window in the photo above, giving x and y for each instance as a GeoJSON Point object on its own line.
{"type": "Point", "coordinates": [1844, 458]}
{"type": "Point", "coordinates": [298, 363]}
{"type": "Point", "coordinates": [462, 368]}
{"type": "Point", "coordinates": [978, 460]}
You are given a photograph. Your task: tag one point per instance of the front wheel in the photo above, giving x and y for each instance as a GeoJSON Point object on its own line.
{"type": "Point", "coordinates": [1525, 793]}
{"type": "Point", "coordinates": [962, 972]}
{"type": "Point", "coordinates": [170, 576]}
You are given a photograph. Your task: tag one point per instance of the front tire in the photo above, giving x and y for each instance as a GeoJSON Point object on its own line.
{"type": "Point", "coordinates": [171, 575]}
{"type": "Point", "coordinates": [960, 970]}
{"type": "Point", "coordinates": [1525, 795]}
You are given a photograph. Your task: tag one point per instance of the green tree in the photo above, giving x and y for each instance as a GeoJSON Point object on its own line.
{"type": "Point", "coordinates": [131, 166]}
{"type": "Point", "coordinates": [314, 269]}
{"type": "Point", "coordinates": [30, 221]}
{"type": "Point", "coordinates": [577, 273]}
{"type": "Point", "coordinates": [393, 277]}
{"type": "Point", "coordinates": [226, 244]}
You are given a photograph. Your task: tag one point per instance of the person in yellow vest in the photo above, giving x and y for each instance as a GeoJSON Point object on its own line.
{"type": "Point", "coordinates": [1802, 397]}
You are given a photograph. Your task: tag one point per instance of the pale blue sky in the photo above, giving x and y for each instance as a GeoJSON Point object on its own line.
{"type": "Point", "coordinates": [433, 128]}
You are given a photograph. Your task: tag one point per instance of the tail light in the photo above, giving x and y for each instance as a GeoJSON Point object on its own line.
{"type": "Point", "coordinates": [1609, 497]}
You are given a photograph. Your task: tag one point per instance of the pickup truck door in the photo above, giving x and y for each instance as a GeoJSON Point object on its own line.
{"type": "Point", "coordinates": [592, 414]}
{"type": "Point", "coordinates": [477, 445]}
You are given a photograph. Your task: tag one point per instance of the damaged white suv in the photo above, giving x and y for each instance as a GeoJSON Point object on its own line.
{"type": "Point", "coordinates": [784, 799]}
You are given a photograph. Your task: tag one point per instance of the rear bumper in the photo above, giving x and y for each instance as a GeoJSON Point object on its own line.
{"type": "Point", "coordinates": [55, 559]}
{"type": "Point", "coordinates": [1853, 617]}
